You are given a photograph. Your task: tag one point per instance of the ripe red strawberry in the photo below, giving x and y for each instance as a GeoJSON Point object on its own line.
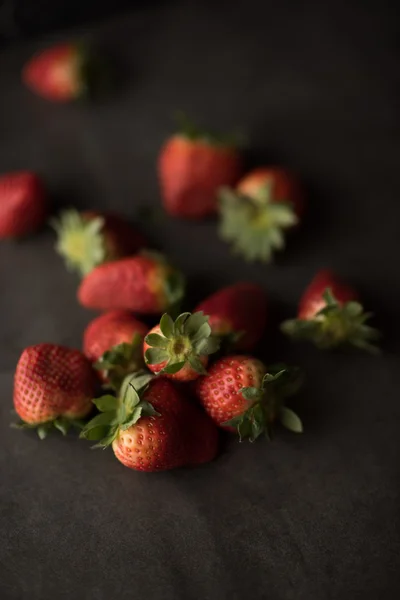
{"type": "Point", "coordinates": [90, 238]}
{"type": "Point", "coordinates": [192, 166]}
{"type": "Point", "coordinates": [22, 204]}
{"type": "Point", "coordinates": [330, 315]}
{"type": "Point", "coordinates": [113, 342]}
{"type": "Point", "coordinates": [180, 349]}
{"type": "Point", "coordinates": [63, 72]}
{"type": "Point", "coordinates": [255, 216]}
{"type": "Point", "coordinates": [53, 387]}
{"type": "Point", "coordinates": [144, 284]}
{"type": "Point", "coordinates": [237, 312]}
{"type": "Point", "coordinates": [240, 393]}
{"type": "Point", "coordinates": [154, 428]}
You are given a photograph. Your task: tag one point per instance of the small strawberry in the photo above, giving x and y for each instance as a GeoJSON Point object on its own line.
{"type": "Point", "coordinates": [192, 166]}
{"type": "Point", "coordinates": [152, 428]}
{"type": "Point", "coordinates": [180, 349]}
{"type": "Point", "coordinates": [255, 216]}
{"type": "Point", "coordinates": [53, 387]}
{"type": "Point", "coordinates": [330, 315]}
{"type": "Point", "coordinates": [143, 284]}
{"type": "Point", "coordinates": [237, 313]}
{"type": "Point", "coordinates": [87, 239]}
{"type": "Point", "coordinates": [22, 204]}
{"type": "Point", "coordinates": [64, 72]}
{"type": "Point", "coordinates": [239, 393]}
{"type": "Point", "coordinates": [113, 342]}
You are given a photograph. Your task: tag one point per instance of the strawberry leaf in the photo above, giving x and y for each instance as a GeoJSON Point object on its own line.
{"type": "Point", "coordinates": [155, 356]}
{"type": "Point", "coordinates": [105, 403]}
{"type": "Point", "coordinates": [167, 326]}
{"type": "Point", "coordinates": [62, 425]}
{"type": "Point", "coordinates": [290, 420]}
{"type": "Point", "coordinates": [197, 365]}
{"type": "Point", "coordinates": [173, 368]}
{"type": "Point", "coordinates": [156, 341]}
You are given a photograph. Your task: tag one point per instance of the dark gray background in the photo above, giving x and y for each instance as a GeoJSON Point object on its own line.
{"type": "Point", "coordinates": [314, 517]}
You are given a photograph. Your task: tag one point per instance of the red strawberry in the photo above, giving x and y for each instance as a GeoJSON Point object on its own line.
{"type": "Point", "coordinates": [53, 386]}
{"type": "Point", "coordinates": [192, 166]}
{"type": "Point", "coordinates": [113, 341]}
{"type": "Point", "coordinates": [330, 315]}
{"type": "Point", "coordinates": [143, 283]}
{"type": "Point", "coordinates": [90, 238]}
{"type": "Point", "coordinates": [180, 349]}
{"type": "Point", "coordinates": [255, 215]}
{"type": "Point", "coordinates": [153, 430]}
{"type": "Point", "coordinates": [22, 204]}
{"type": "Point", "coordinates": [240, 393]}
{"type": "Point", "coordinates": [64, 72]}
{"type": "Point", "coordinates": [238, 312]}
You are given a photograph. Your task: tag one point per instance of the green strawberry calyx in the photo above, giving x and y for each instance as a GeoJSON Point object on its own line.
{"type": "Point", "coordinates": [174, 283]}
{"type": "Point", "coordinates": [255, 226]}
{"type": "Point", "coordinates": [80, 241]}
{"type": "Point", "coordinates": [121, 360]}
{"type": "Point", "coordinates": [335, 324]}
{"type": "Point", "coordinates": [118, 413]}
{"type": "Point", "coordinates": [181, 342]}
{"type": "Point", "coordinates": [266, 404]}
{"type": "Point", "coordinates": [62, 424]}
{"type": "Point", "coordinates": [192, 132]}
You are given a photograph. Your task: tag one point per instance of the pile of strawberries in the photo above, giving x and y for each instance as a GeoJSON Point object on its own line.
{"type": "Point", "coordinates": [168, 389]}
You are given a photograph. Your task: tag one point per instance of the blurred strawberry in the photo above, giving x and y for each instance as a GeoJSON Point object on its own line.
{"type": "Point", "coordinates": [22, 204]}
{"type": "Point", "coordinates": [87, 239]}
{"type": "Point", "coordinates": [255, 216]}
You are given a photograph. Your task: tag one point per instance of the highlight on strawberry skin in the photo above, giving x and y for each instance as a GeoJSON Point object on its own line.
{"type": "Point", "coordinates": [180, 349]}
{"type": "Point", "coordinates": [66, 72]}
{"type": "Point", "coordinates": [330, 315]}
{"type": "Point", "coordinates": [256, 215]}
{"type": "Point", "coordinates": [89, 238]}
{"type": "Point", "coordinates": [23, 204]}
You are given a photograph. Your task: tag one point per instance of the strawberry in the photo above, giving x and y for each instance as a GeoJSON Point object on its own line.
{"type": "Point", "coordinates": [64, 72]}
{"type": "Point", "coordinates": [22, 204]}
{"type": "Point", "coordinates": [151, 427]}
{"type": "Point", "coordinates": [255, 215]}
{"type": "Point", "coordinates": [237, 313]}
{"type": "Point", "coordinates": [180, 349]}
{"type": "Point", "coordinates": [192, 166]}
{"type": "Point", "coordinates": [113, 342]}
{"type": "Point", "coordinates": [330, 315]}
{"type": "Point", "coordinates": [53, 387]}
{"type": "Point", "coordinates": [144, 284]}
{"type": "Point", "coordinates": [239, 393]}
{"type": "Point", "coordinates": [90, 238]}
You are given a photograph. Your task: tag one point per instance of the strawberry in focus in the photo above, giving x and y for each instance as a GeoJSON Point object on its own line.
{"type": "Point", "coordinates": [179, 349]}
{"type": "Point", "coordinates": [53, 387]}
{"type": "Point", "coordinates": [143, 284]}
{"type": "Point", "coordinates": [87, 239]}
{"type": "Point", "coordinates": [113, 342]}
{"type": "Point", "coordinates": [240, 393]}
{"type": "Point", "coordinates": [22, 204]}
{"type": "Point", "coordinates": [192, 166]}
{"type": "Point", "coordinates": [152, 428]}
{"type": "Point", "coordinates": [330, 315]}
{"type": "Point", "coordinates": [237, 314]}
{"type": "Point", "coordinates": [256, 214]}
{"type": "Point", "coordinates": [64, 72]}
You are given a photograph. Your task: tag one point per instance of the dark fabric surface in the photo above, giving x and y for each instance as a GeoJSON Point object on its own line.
{"type": "Point", "coordinates": [314, 517]}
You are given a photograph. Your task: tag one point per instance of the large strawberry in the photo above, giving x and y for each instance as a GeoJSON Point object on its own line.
{"type": "Point", "coordinates": [237, 313]}
{"type": "Point", "coordinates": [180, 349]}
{"type": "Point", "coordinates": [53, 387]}
{"type": "Point", "coordinates": [113, 342]}
{"type": "Point", "coordinates": [144, 284]}
{"type": "Point", "coordinates": [256, 214]}
{"type": "Point", "coordinates": [240, 393]}
{"type": "Point", "coordinates": [22, 204]}
{"type": "Point", "coordinates": [330, 315]}
{"type": "Point", "coordinates": [192, 166]}
{"type": "Point", "coordinates": [87, 239]}
{"type": "Point", "coordinates": [65, 72]}
{"type": "Point", "coordinates": [152, 428]}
